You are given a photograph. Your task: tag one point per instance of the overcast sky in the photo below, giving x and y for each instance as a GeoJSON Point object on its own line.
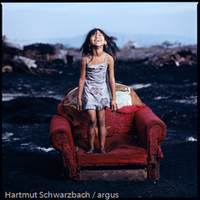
{"type": "Point", "coordinates": [64, 20]}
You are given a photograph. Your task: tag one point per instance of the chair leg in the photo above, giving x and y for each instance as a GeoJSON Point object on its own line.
{"type": "Point", "coordinates": [153, 171]}
{"type": "Point", "coordinates": [157, 171]}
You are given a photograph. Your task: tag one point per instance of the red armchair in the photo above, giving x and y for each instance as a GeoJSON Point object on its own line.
{"type": "Point", "coordinates": [134, 135]}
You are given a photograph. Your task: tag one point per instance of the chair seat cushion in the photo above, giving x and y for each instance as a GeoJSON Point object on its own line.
{"type": "Point", "coordinates": [122, 149]}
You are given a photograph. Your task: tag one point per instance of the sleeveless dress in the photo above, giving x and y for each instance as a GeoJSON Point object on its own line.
{"type": "Point", "coordinates": [96, 91]}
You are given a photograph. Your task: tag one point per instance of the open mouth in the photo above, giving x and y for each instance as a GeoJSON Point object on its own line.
{"type": "Point", "coordinates": [97, 40]}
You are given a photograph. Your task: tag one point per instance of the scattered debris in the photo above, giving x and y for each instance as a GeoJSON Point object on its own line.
{"type": "Point", "coordinates": [178, 58]}
{"type": "Point", "coordinates": [159, 56]}
{"type": "Point", "coordinates": [7, 68]}
{"type": "Point", "coordinates": [34, 58]}
{"type": "Point", "coordinates": [167, 44]}
{"type": "Point", "coordinates": [131, 44]}
{"type": "Point", "coordinates": [48, 58]}
{"type": "Point", "coordinates": [12, 46]}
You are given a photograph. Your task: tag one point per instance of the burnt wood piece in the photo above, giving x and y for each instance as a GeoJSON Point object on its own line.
{"type": "Point", "coordinates": [114, 175]}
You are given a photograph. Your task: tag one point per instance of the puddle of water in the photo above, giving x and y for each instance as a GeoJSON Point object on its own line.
{"type": "Point", "coordinates": [44, 149]}
{"type": "Point", "coordinates": [189, 100]}
{"type": "Point", "coordinates": [25, 144]}
{"type": "Point", "coordinates": [139, 86]}
{"type": "Point", "coordinates": [8, 97]}
{"type": "Point", "coordinates": [16, 138]}
{"type": "Point", "coordinates": [191, 139]}
{"type": "Point", "coordinates": [176, 137]}
{"type": "Point", "coordinates": [159, 97]}
{"type": "Point", "coordinates": [6, 136]}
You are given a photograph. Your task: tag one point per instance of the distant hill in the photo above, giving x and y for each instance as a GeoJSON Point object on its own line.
{"type": "Point", "coordinates": [147, 40]}
{"type": "Point", "coordinates": [143, 40]}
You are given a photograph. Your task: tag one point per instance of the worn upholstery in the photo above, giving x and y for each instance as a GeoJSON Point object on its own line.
{"type": "Point", "coordinates": [134, 133]}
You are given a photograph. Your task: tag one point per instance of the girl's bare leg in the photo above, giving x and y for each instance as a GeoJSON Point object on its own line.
{"type": "Point", "coordinates": [91, 127]}
{"type": "Point", "coordinates": [101, 129]}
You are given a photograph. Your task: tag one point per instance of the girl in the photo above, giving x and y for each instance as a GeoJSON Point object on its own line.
{"type": "Point", "coordinates": [96, 88]}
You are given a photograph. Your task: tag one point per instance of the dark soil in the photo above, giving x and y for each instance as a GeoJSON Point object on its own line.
{"type": "Point", "coordinates": [26, 168]}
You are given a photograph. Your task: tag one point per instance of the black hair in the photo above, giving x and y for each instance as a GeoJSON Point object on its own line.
{"type": "Point", "coordinates": [110, 48]}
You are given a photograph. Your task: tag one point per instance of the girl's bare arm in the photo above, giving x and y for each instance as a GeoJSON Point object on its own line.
{"type": "Point", "coordinates": [81, 83]}
{"type": "Point", "coordinates": [112, 81]}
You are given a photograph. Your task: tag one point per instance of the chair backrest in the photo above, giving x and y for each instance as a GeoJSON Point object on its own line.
{"type": "Point", "coordinates": [116, 122]}
{"type": "Point", "coordinates": [125, 96]}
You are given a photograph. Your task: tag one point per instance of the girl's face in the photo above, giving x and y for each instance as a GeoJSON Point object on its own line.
{"type": "Point", "coordinates": [97, 39]}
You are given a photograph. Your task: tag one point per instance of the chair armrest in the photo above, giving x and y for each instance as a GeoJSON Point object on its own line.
{"type": "Point", "coordinates": [62, 140]}
{"type": "Point", "coordinates": [60, 126]}
{"type": "Point", "coordinates": [151, 131]}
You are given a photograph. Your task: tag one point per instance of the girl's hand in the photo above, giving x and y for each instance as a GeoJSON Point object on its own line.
{"type": "Point", "coordinates": [79, 106]}
{"type": "Point", "coordinates": [113, 105]}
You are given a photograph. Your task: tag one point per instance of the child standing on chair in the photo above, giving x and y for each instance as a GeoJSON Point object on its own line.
{"type": "Point", "coordinates": [96, 88]}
